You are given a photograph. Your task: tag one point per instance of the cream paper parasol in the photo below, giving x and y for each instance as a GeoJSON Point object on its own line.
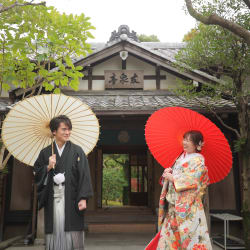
{"type": "Point", "coordinates": [25, 130]}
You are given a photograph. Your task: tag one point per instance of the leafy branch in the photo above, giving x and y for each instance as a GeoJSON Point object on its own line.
{"type": "Point", "coordinates": [214, 19]}
{"type": "Point", "coordinates": [17, 4]}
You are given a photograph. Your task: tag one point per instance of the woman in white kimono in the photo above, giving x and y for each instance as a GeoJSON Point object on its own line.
{"type": "Point", "coordinates": [182, 219]}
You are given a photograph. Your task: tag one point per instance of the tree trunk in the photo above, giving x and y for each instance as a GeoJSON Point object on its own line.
{"type": "Point", "coordinates": [244, 124]}
{"type": "Point", "coordinates": [246, 196]}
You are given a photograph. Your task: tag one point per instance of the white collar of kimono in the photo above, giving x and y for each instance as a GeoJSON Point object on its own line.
{"type": "Point", "coordinates": [184, 158]}
{"type": "Point", "coordinates": [60, 151]}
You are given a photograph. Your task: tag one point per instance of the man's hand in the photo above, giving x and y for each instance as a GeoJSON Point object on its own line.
{"type": "Point", "coordinates": [52, 162]}
{"type": "Point", "coordinates": [82, 205]}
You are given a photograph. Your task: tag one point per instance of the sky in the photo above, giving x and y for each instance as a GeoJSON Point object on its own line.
{"type": "Point", "coordinates": [164, 18]}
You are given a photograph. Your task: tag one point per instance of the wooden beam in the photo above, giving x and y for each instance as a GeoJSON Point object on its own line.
{"type": "Point", "coordinates": [153, 77]}
{"type": "Point", "coordinates": [146, 77]}
{"type": "Point", "coordinates": [90, 77]}
{"type": "Point", "coordinates": [96, 77]}
{"type": "Point", "coordinates": [151, 111]}
{"type": "Point", "coordinates": [124, 64]}
{"type": "Point", "coordinates": [157, 73]}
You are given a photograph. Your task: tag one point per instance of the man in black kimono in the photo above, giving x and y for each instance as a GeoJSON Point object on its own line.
{"type": "Point", "coordinates": [63, 187]}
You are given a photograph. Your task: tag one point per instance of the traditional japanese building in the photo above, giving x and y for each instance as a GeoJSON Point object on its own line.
{"type": "Point", "coordinates": [124, 82]}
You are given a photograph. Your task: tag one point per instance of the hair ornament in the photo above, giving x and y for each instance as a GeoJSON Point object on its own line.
{"type": "Point", "coordinates": [201, 144]}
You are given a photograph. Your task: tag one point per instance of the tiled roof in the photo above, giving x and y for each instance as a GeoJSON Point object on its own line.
{"type": "Point", "coordinates": [163, 49]}
{"type": "Point", "coordinates": [146, 101]}
{"type": "Point", "coordinates": [4, 103]}
{"type": "Point", "coordinates": [167, 50]}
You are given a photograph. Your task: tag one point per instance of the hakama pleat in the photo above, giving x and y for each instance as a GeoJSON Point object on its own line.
{"type": "Point", "coordinates": [59, 239]}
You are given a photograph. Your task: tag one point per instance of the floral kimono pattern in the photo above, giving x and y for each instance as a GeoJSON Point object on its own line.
{"type": "Point", "coordinates": [182, 219]}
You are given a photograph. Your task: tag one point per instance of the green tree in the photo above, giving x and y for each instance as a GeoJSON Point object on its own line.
{"type": "Point", "coordinates": [114, 176]}
{"type": "Point", "coordinates": [34, 39]}
{"type": "Point", "coordinates": [225, 56]}
{"type": "Point", "coordinates": [151, 38]}
{"type": "Point", "coordinates": [224, 13]}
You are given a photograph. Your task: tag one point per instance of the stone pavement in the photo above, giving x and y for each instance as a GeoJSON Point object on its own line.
{"type": "Point", "coordinates": [108, 241]}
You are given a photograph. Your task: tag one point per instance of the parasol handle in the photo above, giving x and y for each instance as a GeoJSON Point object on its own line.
{"type": "Point", "coordinates": [52, 148]}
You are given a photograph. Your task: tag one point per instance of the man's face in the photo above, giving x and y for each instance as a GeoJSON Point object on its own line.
{"type": "Point", "coordinates": [63, 133]}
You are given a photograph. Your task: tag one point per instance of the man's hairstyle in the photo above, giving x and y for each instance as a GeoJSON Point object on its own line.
{"type": "Point", "coordinates": [55, 122]}
{"type": "Point", "coordinates": [196, 137]}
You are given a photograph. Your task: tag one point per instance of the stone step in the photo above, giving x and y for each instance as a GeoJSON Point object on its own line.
{"type": "Point", "coordinates": [120, 218]}
{"type": "Point", "coordinates": [112, 210]}
{"type": "Point", "coordinates": [122, 228]}
{"type": "Point", "coordinates": [121, 215]}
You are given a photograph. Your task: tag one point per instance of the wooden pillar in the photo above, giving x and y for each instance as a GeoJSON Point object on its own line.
{"type": "Point", "coordinates": [40, 232]}
{"type": "Point", "coordinates": [151, 194]}
{"type": "Point", "coordinates": [90, 78]}
{"type": "Point", "coordinates": [138, 178]}
{"type": "Point", "coordinates": [3, 183]}
{"type": "Point", "coordinates": [99, 178]}
{"type": "Point", "coordinates": [92, 159]}
{"type": "Point", "coordinates": [129, 180]}
{"type": "Point", "coordinates": [143, 176]}
{"type": "Point", "coordinates": [158, 76]}
{"type": "Point", "coordinates": [34, 207]}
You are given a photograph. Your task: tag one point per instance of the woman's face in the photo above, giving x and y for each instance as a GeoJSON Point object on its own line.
{"type": "Point", "coordinates": [188, 145]}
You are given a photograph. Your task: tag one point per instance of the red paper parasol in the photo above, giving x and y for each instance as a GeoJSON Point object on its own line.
{"type": "Point", "coordinates": [164, 133]}
{"type": "Point", "coordinates": [154, 242]}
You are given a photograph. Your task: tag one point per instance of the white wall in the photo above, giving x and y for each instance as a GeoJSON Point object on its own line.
{"type": "Point", "coordinates": [83, 85]}
{"type": "Point", "coordinates": [98, 85]}
{"type": "Point", "coordinates": [170, 83]}
{"type": "Point", "coordinates": [115, 63]}
{"type": "Point", "coordinates": [135, 64]}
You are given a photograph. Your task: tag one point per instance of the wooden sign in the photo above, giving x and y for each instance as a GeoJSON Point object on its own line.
{"type": "Point", "coordinates": [124, 79]}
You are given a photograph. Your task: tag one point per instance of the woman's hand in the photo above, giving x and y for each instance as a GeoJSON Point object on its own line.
{"type": "Point", "coordinates": [167, 171]}
{"type": "Point", "coordinates": [169, 177]}
{"type": "Point", "coordinates": [168, 174]}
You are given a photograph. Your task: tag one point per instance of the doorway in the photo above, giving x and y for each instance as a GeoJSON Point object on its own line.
{"type": "Point", "coordinates": [115, 180]}
{"type": "Point", "coordinates": [124, 179]}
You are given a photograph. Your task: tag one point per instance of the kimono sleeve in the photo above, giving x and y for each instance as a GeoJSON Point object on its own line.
{"type": "Point", "coordinates": [194, 172]}
{"type": "Point", "coordinates": [43, 179]}
{"type": "Point", "coordinates": [41, 173]}
{"type": "Point", "coordinates": [85, 190]}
